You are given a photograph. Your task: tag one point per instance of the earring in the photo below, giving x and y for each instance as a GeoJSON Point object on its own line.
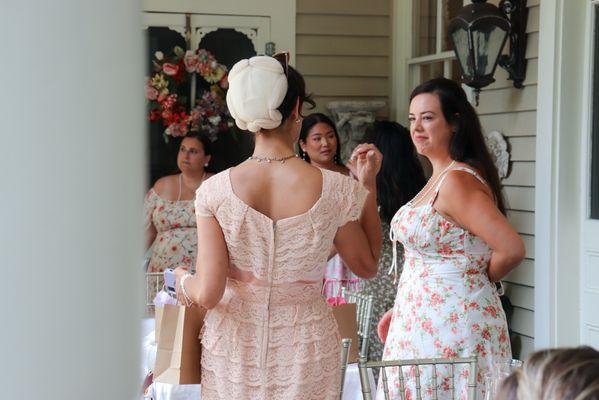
{"type": "Point", "coordinates": [298, 120]}
{"type": "Point", "coordinates": [336, 158]}
{"type": "Point", "coordinates": [206, 165]}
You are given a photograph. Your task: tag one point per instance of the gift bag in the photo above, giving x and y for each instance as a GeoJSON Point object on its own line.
{"type": "Point", "coordinates": [179, 347]}
{"type": "Point", "coordinates": [345, 315]}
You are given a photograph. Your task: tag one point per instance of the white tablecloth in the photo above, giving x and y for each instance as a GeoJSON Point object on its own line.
{"type": "Point", "coordinates": [164, 391]}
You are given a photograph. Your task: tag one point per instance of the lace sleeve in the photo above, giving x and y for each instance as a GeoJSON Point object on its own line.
{"type": "Point", "coordinates": [352, 196]}
{"type": "Point", "coordinates": [149, 206]}
{"type": "Point", "coordinates": [203, 202]}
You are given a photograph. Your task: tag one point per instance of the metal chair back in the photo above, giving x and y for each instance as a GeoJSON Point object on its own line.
{"type": "Point", "coordinates": [346, 344]}
{"type": "Point", "coordinates": [431, 363]}
{"type": "Point", "coordinates": [364, 308]}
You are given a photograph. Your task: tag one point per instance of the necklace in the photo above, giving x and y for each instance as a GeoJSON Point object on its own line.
{"type": "Point", "coordinates": [433, 184]}
{"type": "Point", "coordinates": [271, 159]}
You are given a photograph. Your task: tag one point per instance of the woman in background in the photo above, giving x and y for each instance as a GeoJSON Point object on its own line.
{"type": "Point", "coordinates": [400, 179]}
{"type": "Point", "coordinates": [169, 209]}
{"type": "Point", "coordinates": [320, 146]}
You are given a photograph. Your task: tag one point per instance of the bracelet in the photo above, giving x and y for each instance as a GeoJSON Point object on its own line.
{"type": "Point", "coordinates": [182, 287]}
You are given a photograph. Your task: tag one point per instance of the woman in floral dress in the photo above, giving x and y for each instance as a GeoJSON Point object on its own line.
{"type": "Point", "coordinates": [457, 243]}
{"type": "Point", "coordinates": [169, 208]}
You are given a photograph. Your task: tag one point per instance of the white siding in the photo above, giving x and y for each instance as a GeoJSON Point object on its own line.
{"type": "Point", "coordinates": [343, 50]}
{"type": "Point", "coordinates": [513, 112]}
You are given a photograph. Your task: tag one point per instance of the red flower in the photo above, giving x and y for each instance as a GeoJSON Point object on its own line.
{"type": "Point", "coordinates": [170, 69]}
{"type": "Point", "coordinates": [154, 115]}
{"type": "Point", "coordinates": [174, 248]}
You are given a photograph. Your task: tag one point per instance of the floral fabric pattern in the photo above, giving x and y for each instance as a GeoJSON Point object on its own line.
{"type": "Point", "coordinates": [445, 306]}
{"type": "Point", "coordinates": [383, 290]}
{"type": "Point", "coordinates": [176, 241]}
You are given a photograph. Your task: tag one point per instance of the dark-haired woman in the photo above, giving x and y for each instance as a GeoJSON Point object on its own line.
{"type": "Point", "coordinates": [400, 179]}
{"type": "Point", "coordinates": [320, 146]}
{"type": "Point", "coordinates": [268, 225]}
{"type": "Point", "coordinates": [169, 209]}
{"type": "Point", "coordinates": [457, 243]}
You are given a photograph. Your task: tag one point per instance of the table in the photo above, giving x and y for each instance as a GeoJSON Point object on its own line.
{"type": "Point", "coordinates": [164, 391]}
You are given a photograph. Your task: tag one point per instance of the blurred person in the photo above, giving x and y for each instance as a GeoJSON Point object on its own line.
{"type": "Point", "coordinates": [555, 374]}
{"type": "Point", "coordinates": [169, 207]}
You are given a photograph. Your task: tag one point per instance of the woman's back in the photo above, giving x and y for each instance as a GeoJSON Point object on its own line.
{"type": "Point", "coordinates": [280, 234]}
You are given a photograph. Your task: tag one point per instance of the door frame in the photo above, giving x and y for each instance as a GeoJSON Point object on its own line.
{"type": "Point", "coordinates": [282, 14]}
{"type": "Point", "coordinates": [558, 203]}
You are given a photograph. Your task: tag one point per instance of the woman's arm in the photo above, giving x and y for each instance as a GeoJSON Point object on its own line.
{"type": "Point", "coordinates": [207, 286]}
{"type": "Point", "coordinates": [466, 201]}
{"type": "Point", "coordinates": [359, 242]}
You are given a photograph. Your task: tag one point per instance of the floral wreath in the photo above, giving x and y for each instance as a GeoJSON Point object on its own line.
{"type": "Point", "coordinates": [209, 112]}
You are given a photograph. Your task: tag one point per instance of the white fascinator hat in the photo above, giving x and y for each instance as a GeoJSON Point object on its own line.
{"type": "Point", "coordinates": [257, 87]}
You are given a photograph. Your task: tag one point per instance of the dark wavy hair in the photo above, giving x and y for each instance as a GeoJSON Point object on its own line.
{"type": "Point", "coordinates": [467, 144]}
{"type": "Point", "coordinates": [308, 124]}
{"type": "Point", "coordinates": [401, 176]}
{"type": "Point", "coordinates": [296, 89]}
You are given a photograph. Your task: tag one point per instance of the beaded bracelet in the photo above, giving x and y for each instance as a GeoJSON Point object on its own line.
{"type": "Point", "coordinates": [182, 287]}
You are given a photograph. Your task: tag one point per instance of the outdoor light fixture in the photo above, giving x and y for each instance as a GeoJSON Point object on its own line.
{"type": "Point", "coordinates": [478, 34]}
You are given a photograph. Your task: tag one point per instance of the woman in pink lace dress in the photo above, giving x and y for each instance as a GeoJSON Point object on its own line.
{"type": "Point", "coordinates": [457, 244]}
{"type": "Point", "coordinates": [267, 227]}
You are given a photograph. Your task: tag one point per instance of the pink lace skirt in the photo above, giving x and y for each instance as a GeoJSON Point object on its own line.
{"type": "Point", "coordinates": [278, 342]}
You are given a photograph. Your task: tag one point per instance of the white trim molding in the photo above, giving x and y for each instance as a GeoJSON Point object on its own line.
{"type": "Point", "coordinates": [557, 203]}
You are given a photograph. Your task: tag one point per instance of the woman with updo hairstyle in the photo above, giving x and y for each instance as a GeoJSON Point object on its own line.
{"type": "Point", "coordinates": [319, 145]}
{"type": "Point", "coordinates": [555, 374]}
{"type": "Point", "coordinates": [268, 225]}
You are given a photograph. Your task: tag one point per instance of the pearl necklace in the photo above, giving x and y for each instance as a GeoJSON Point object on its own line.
{"type": "Point", "coordinates": [271, 159]}
{"type": "Point", "coordinates": [432, 185]}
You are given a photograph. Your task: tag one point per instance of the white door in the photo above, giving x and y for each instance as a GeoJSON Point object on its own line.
{"type": "Point", "coordinates": [590, 190]}
{"type": "Point", "coordinates": [256, 29]}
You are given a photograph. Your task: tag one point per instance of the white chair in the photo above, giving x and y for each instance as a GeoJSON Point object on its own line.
{"type": "Point", "coordinates": [154, 283]}
{"type": "Point", "coordinates": [363, 316]}
{"type": "Point", "coordinates": [433, 363]}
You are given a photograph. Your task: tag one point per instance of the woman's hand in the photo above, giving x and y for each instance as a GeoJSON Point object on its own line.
{"type": "Point", "coordinates": [179, 272]}
{"type": "Point", "coordinates": [384, 324]}
{"type": "Point", "coordinates": [366, 161]}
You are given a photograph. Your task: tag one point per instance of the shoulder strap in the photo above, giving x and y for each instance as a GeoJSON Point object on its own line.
{"type": "Point", "coordinates": [460, 168]}
{"type": "Point", "coordinates": [180, 185]}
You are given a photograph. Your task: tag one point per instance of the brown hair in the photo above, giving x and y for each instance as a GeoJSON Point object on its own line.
{"type": "Point", "coordinates": [555, 374]}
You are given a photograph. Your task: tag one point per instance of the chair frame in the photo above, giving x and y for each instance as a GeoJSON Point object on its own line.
{"type": "Point", "coordinates": [364, 309]}
{"type": "Point", "coordinates": [363, 366]}
{"type": "Point", "coordinates": [345, 345]}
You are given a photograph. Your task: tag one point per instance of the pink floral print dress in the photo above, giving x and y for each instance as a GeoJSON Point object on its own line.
{"type": "Point", "coordinates": [176, 241]}
{"type": "Point", "coordinates": [445, 305]}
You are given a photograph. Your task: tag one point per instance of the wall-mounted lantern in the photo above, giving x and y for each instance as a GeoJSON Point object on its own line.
{"type": "Point", "coordinates": [478, 34]}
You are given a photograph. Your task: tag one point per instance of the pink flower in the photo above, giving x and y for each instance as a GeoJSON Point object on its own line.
{"type": "Point", "coordinates": [151, 93]}
{"type": "Point", "coordinates": [191, 61]}
{"type": "Point", "coordinates": [177, 129]}
{"type": "Point", "coordinates": [170, 69]}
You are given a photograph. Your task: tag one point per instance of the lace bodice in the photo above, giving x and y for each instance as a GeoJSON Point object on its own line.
{"type": "Point", "coordinates": [291, 249]}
